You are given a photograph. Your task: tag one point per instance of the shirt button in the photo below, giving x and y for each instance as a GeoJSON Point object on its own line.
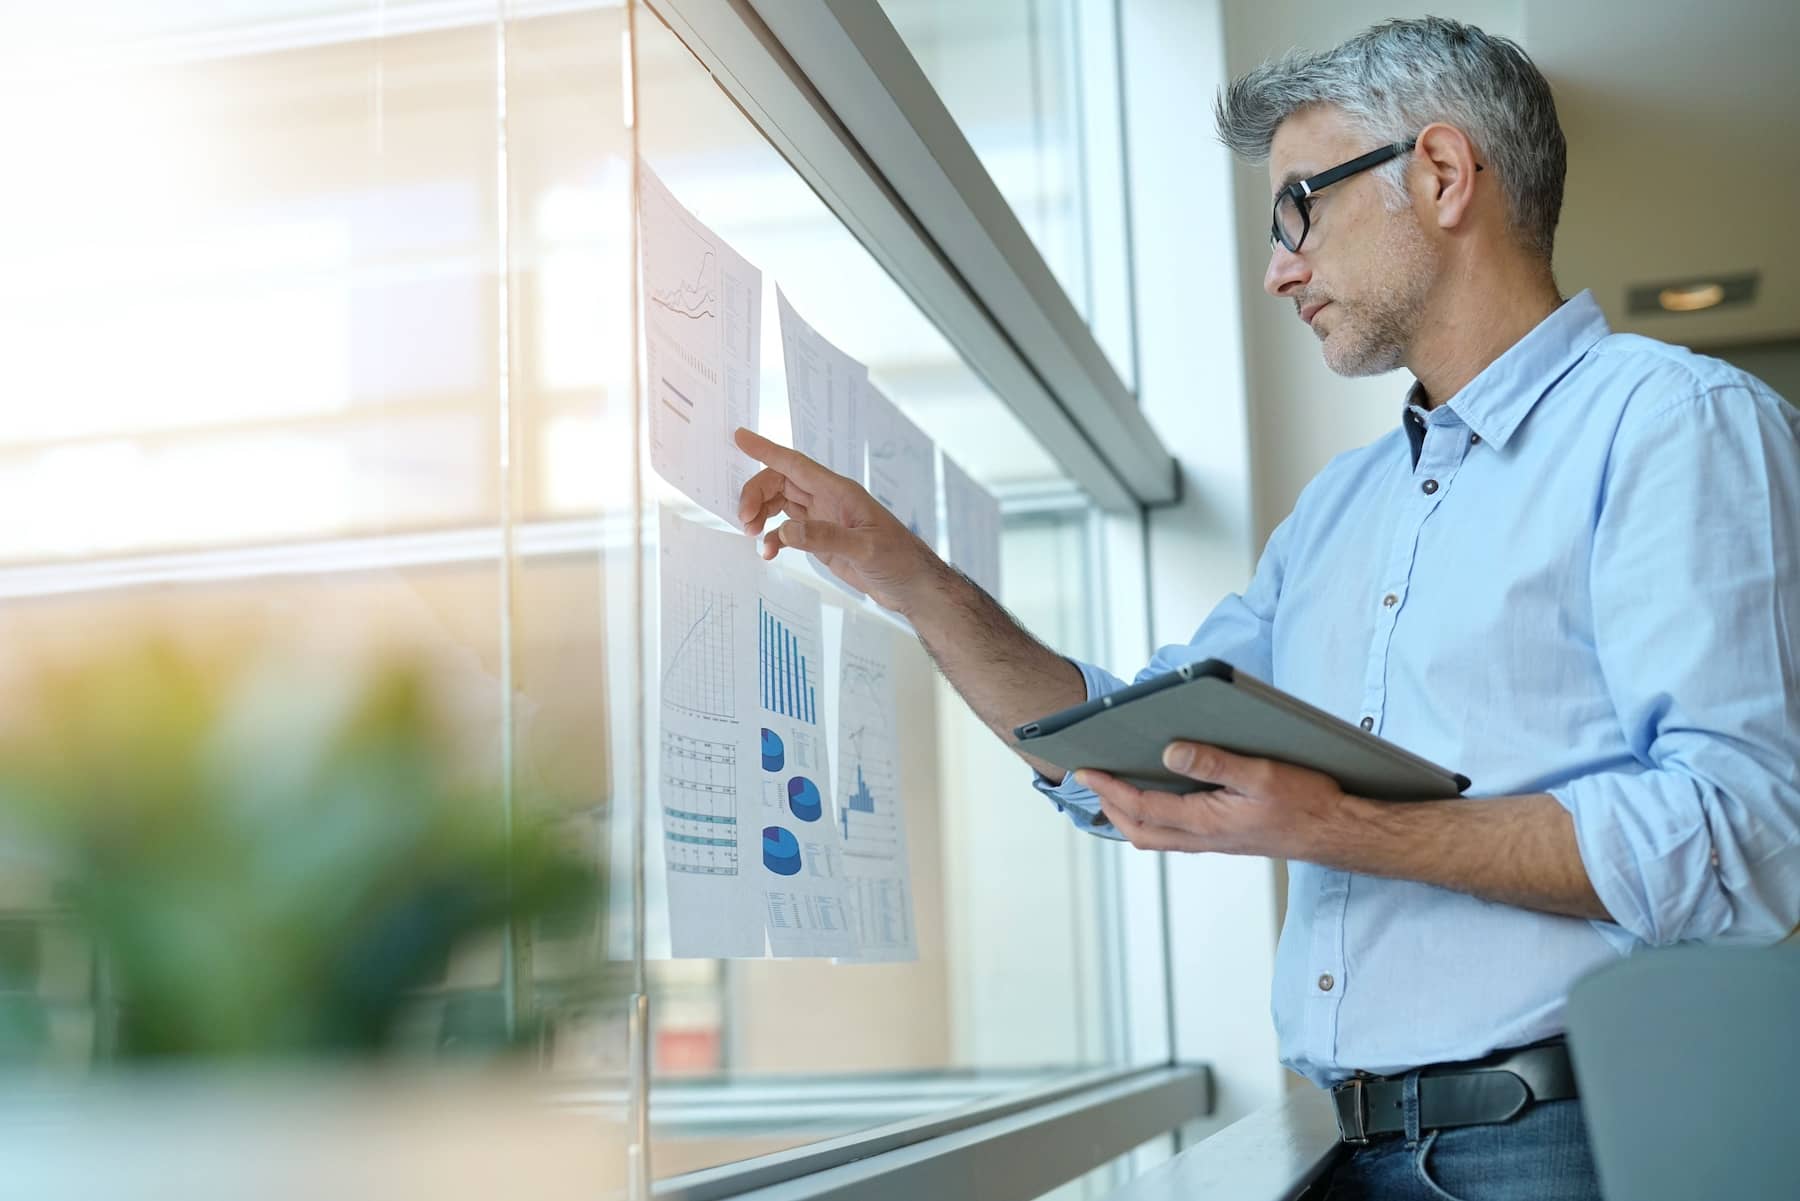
{"type": "Point", "coordinates": [1325, 982]}
{"type": "Point", "coordinates": [1428, 487]}
{"type": "Point", "coordinates": [1368, 723]}
{"type": "Point", "coordinates": [1389, 601]}
{"type": "Point", "coordinates": [1474, 439]}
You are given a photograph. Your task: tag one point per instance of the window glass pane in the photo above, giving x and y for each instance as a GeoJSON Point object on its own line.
{"type": "Point", "coordinates": [281, 324]}
{"type": "Point", "coordinates": [1019, 917]}
{"type": "Point", "coordinates": [1034, 86]}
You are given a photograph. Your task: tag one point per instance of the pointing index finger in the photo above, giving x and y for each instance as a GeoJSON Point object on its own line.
{"type": "Point", "coordinates": [790, 463]}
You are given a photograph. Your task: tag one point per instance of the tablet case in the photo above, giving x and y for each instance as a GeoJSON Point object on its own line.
{"type": "Point", "coordinates": [1125, 732]}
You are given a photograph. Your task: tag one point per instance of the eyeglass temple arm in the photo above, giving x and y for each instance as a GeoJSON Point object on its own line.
{"type": "Point", "coordinates": [1379, 155]}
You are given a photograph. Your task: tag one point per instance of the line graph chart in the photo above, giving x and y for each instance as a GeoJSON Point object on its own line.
{"type": "Point", "coordinates": [693, 298]}
{"type": "Point", "coordinates": [702, 309]}
{"type": "Point", "coordinates": [902, 467]}
{"type": "Point", "coordinates": [701, 672]}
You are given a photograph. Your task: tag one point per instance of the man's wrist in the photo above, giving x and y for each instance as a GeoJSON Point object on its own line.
{"type": "Point", "coordinates": [1339, 841]}
{"type": "Point", "coordinates": [1378, 838]}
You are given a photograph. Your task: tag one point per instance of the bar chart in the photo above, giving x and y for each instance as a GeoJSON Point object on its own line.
{"type": "Point", "coordinates": [862, 800]}
{"type": "Point", "coordinates": [788, 686]}
{"type": "Point", "coordinates": [871, 815]}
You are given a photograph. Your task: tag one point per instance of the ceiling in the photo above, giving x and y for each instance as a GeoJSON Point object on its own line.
{"type": "Point", "coordinates": [1683, 121]}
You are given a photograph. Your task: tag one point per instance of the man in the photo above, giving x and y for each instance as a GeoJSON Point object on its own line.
{"type": "Point", "coordinates": [1572, 573]}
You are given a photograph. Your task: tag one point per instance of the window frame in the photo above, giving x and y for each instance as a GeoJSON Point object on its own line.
{"type": "Point", "coordinates": [836, 92]}
{"type": "Point", "coordinates": [1017, 1147]}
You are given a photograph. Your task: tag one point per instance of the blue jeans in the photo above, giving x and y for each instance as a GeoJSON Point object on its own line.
{"type": "Point", "coordinates": [1541, 1155]}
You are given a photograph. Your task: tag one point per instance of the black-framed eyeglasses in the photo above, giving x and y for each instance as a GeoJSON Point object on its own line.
{"type": "Point", "coordinates": [1293, 204]}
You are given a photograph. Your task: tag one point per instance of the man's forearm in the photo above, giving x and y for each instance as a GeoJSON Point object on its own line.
{"type": "Point", "coordinates": [1518, 850]}
{"type": "Point", "coordinates": [1003, 673]}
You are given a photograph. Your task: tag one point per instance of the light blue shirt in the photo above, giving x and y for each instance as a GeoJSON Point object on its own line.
{"type": "Point", "coordinates": [1579, 576]}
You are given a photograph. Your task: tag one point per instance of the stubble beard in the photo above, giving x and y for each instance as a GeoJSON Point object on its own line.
{"type": "Point", "coordinates": [1372, 333]}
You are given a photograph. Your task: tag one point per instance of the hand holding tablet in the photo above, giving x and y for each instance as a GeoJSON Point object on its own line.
{"type": "Point", "coordinates": [1124, 733]}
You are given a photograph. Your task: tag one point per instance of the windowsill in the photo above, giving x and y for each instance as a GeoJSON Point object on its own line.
{"type": "Point", "coordinates": [1272, 1155]}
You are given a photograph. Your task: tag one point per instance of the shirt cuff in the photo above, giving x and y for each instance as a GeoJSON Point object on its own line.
{"type": "Point", "coordinates": [1080, 805]}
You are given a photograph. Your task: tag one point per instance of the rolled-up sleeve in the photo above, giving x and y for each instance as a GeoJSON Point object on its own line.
{"type": "Point", "coordinates": [1238, 630]}
{"type": "Point", "coordinates": [1696, 603]}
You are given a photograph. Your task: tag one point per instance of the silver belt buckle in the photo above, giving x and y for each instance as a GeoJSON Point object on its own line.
{"type": "Point", "coordinates": [1352, 1104]}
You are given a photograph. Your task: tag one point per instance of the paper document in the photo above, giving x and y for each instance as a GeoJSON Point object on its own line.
{"type": "Point", "coordinates": [703, 350]}
{"type": "Point", "coordinates": [871, 807]}
{"type": "Point", "coordinates": [825, 388]}
{"type": "Point", "coordinates": [801, 860]}
{"type": "Point", "coordinates": [708, 785]}
{"type": "Point", "coordinates": [825, 399]}
{"type": "Point", "coordinates": [902, 465]}
{"type": "Point", "coordinates": [972, 527]}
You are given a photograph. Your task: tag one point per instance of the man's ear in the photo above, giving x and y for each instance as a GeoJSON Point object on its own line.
{"type": "Point", "coordinates": [1449, 179]}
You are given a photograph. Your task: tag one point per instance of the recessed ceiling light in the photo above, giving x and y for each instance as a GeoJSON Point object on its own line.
{"type": "Point", "coordinates": [1690, 297]}
{"type": "Point", "coordinates": [1694, 294]}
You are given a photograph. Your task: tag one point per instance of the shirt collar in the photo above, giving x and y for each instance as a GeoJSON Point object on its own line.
{"type": "Point", "coordinates": [1496, 402]}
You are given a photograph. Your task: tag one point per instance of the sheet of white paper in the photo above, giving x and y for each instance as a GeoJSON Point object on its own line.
{"type": "Point", "coordinates": [902, 465]}
{"type": "Point", "coordinates": [709, 785]}
{"type": "Point", "coordinates": [825, 388]}
{"type": "Point", "coordinates": [871, 807]}
{"type": "Point", "coordinates": [801, 862]}
{"type": "Point", "coordinates": [703, 350]}
{"type": "Point", "coordinates": [972, 521]}
{"type": "Point", "coordinates": [825, 399]}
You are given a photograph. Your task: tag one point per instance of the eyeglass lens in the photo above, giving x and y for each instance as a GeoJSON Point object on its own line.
{"type": "Point", "coordinates": [1290, 222]}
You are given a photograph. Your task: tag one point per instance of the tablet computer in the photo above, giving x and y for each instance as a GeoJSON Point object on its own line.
{"type": "Point", "coordinates": [1124, 733]}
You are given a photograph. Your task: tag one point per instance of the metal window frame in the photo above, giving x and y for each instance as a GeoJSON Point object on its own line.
{"type": "Point", "coordinates": [322, 555]}
{"type": "Point", "coordinates": [1012, 1149]}
{"type": "Point", "coordinates": [836, 92]}
{"type": "Point", "coordinates": [831, 1104]}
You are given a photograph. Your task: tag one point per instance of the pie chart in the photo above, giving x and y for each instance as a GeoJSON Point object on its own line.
{"type": "Point", "coordinates": [804, 799]}
{"type": "Point", "coordinates": [781, 851]}
{"type": "Point", "coordinates": [774, 755]}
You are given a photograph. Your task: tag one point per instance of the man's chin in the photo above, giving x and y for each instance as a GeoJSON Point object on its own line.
{"type": "Point", "coordinates": [1353, 360]}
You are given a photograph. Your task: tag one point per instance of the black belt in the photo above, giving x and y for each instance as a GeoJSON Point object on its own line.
{"type": "Point", "coordinates": [1456, 1094]}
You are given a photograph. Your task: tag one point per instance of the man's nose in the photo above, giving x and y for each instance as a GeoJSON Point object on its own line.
{"type": "Point", "coordinates": [1286, 272]}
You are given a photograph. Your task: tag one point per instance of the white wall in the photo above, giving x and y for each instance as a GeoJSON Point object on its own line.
{"type": "Point", "coordinates": [1191, 383]}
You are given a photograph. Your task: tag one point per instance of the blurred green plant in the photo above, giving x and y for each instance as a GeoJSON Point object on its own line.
{"type": "Point", "coordinates": [272, 856]}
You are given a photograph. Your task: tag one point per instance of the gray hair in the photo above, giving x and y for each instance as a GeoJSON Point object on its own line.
{"type": "Point", "coordinates": [1394, 79]}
